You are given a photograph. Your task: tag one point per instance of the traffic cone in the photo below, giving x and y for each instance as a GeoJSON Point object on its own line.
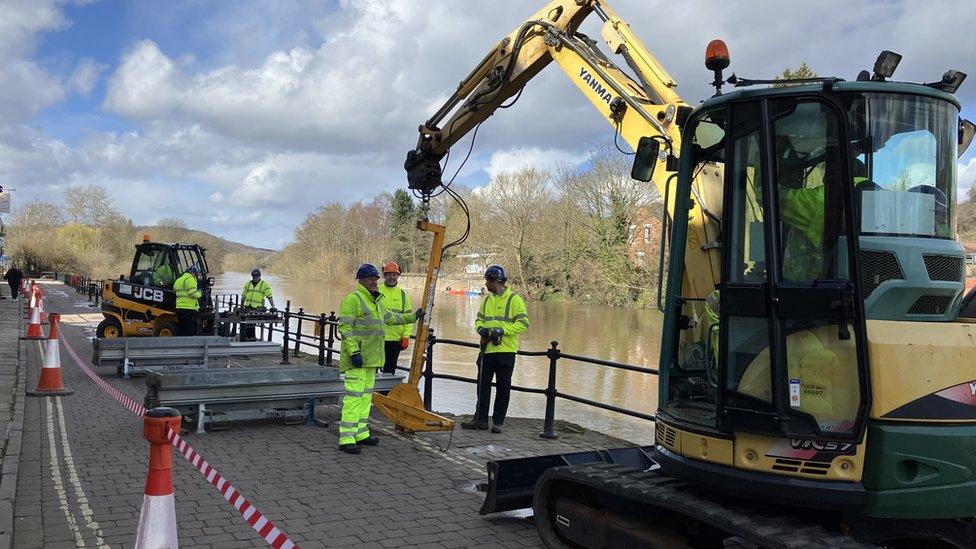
{"type": "Point", "coordinates": [40, 307]}
{"type": "Point", "coordinates": [157, 520]}
{"type": "Point", "coordinates": [34, 326]}
{"type": "Point", "coordinates": [32, 294]}
{"type": "Point", "coordinates": [23, 288]}
{"type": "Point", "coordinates": [50, 382]}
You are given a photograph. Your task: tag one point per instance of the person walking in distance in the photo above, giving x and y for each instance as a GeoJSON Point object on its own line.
{"type": "Point", "coordinates": [13, 276]}
{"type": "Point", "coordinates": [188, 297]}
{"type": "Point", "coordinates": [362, 317]}
{"type": "Point", "coordinates": [501, 318]}
{"type": "Point", "coordinates": [394, 299]}
{"type": "Point", "coordinates": [255, 292]}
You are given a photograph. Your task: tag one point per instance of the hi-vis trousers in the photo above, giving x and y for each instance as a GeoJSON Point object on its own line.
{"type": "Point", "coordinates": [356, 404]}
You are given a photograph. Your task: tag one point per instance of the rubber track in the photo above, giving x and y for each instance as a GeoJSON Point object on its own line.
{"type": "Point", "coordinates": [762, 524]}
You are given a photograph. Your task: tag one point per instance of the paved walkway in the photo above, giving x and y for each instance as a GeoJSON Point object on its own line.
{"type": "Point", "coordinates": [83, 466]}
{"type": "Point", "coordinates": [11, 411]}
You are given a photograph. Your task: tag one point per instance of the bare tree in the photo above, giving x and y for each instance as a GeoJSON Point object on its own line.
{"type": "Point", "coordinates": [171, 222]}
{"type": "Point", "coordinates": [517, 201]}
{"type": "Point", "coordinates": [90, 206]}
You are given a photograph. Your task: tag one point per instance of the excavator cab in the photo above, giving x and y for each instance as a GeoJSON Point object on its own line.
{"type": "Point", "coordinates": [839, 264]}
{"type": "Point", "coordinates": [144, 303]}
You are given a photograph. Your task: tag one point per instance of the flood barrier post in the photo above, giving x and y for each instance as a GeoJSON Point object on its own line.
{"type": "Point", "coordinates": [321, 322]}
{"type": "Point", "coordinates": [332, 333]}
{"type": "Point", "coordinates": [551, 393]}
{"type": "Point", "coordinates": [429, 371]}
{"type": "Point", "coordinates": [298, 332]}
{"type": "Point", "coordinates": [284, 337]}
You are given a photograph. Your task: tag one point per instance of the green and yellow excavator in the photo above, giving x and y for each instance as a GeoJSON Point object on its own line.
{"type": "Point", "coordinates": [817, 385]}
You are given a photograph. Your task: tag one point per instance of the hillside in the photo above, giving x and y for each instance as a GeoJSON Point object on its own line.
{"type": "Point", "coordinates": [222, 254]}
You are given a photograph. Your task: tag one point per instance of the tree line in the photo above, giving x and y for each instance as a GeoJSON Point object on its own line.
{"type": "Point", "coordinates": [561, 234]}
{"type": "Point", "coordinates": [85, 233]}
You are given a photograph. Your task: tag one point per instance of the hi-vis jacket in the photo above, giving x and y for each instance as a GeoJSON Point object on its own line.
{"type": "Point", "coordinates": [254, 294]}
{"type": "Point", "coordinates": [506, 311]}
{"type": "Point", "coordinates": [396, 301]}
{"type": "Point", "coordinates": [187, 294]}
{"type": "Point", "coordinates": [361, 321]}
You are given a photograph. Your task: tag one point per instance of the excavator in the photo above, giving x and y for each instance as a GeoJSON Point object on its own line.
{"type": "Point", "coordinates": [816, 379]}
{"type": "Point", "coordinates": [144, 303]}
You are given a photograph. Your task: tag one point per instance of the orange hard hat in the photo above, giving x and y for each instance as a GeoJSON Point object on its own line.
{"type": "Point", "coordinates": [391, 267]}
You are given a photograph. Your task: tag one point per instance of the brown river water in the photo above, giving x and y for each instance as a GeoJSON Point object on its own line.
{"type": "Point", "coordinates": [631, 336]}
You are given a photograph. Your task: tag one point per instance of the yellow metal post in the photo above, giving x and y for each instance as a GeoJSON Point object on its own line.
{"type": "Point", "coordinates": [404, 406]}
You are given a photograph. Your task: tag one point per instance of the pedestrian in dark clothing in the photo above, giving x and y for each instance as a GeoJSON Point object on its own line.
{"type": "Point", "coordinates": [14, 276]}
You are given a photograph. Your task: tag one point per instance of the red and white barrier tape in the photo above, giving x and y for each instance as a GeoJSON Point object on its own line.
{"type": "Point", "coordinates": [264, 527]}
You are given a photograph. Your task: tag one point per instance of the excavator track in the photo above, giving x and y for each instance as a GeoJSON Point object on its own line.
{"type": "Point", "coordinates": [764, 525]}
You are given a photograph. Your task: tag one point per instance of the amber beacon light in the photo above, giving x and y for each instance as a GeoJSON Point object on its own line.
{"type": "Point", "coordinates": [717, 59]}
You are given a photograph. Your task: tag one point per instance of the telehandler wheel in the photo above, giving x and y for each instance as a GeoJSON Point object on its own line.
{"type": "Point", "coordinates": [167, 329]}
{"type": "Point", "coordinates": [109, 329]}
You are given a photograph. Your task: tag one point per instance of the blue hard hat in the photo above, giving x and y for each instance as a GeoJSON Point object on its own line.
{"type": "Point", "coordinates": [256, 272]}
{"type": "Point", "coordinates": [193, 269]}
{"type": "Point", "coordinates": [495, 272]}
{"type": "Point", "coordinates": [366, 270]}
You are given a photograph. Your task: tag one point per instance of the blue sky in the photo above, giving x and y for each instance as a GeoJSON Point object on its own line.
{"type": "Point", "coordinates": [242, 117]}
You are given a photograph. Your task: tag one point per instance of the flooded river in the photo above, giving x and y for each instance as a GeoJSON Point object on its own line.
{"type": "Point", "coordinates": [631, 336]}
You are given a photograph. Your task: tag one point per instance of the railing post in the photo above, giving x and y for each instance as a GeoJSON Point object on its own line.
{"type": "Point", "coordinates": [298, 333]}
{"type": "Point", "coordinates": [429, 371]}
{"type": "Point", "coordinates": [284, 343]}
{"type": "Point", "coordinates": [547, 429]}
{"type": "Point", "coordinates": [233, 325]}
{"type": "Point", "coordinates": [332, 334]}
{"type": "Point", "coordinates": [321, 323]}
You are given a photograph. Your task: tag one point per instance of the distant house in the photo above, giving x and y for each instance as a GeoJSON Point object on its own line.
{"type": "Point", "coordinates": [644, 238]}
{"type": "Point", "coordinates": [472, 264]}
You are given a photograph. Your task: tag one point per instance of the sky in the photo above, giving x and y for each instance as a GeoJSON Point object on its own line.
{"type": "Point", "coordinates": [243, 117]}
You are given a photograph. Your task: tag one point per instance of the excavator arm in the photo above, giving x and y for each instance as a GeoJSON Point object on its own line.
{"type": "Point", "coordinates": [643, 107]}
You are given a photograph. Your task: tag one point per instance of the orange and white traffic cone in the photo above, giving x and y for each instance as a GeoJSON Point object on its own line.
{"type": "Point", "coordinates": [40, 307]}
{"type": "Point", "coordinates": [157, 521]}
{"type": "Point", "coordinates": [23, 288]}
{"type": "Point", "coordinates": [32, 294]}
{"type": "Point", "coordinates": [34, 326]}
{"type": "Point", "coordinates": [50, 382]}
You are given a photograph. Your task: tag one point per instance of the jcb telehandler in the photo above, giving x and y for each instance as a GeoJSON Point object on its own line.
{"type": "Point", "coordinates": [144, 304]}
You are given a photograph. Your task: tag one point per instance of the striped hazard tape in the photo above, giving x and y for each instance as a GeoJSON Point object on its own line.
{"type": "Point", "coordinates": [264, 527]}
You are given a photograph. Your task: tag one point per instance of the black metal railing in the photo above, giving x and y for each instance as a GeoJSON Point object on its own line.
{"type": "Point", "coordinates": [325, 336]}
{"type": "Point", "coordinates": [84, 285]}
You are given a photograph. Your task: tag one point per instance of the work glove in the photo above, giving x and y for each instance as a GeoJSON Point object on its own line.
{"type": "Point", "coordinates": [496, 335]}
{"type": "Point", "coordinates": [485, 333]}
{"type": "Point", "coordinates": [420, 314]}
{"type": "Point", "coordinates": [404, 343]}
{"type": "Point", "coordinates": [357, 360]}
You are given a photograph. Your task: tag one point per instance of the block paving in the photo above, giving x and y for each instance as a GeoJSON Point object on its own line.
{"type": "Point", "coordinates": [82, 466]}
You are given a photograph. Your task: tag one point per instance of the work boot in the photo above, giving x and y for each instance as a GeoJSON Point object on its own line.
{"type": "Point", "coordinates": [473, 423]}
{"type": "Point", "coordinates": [369, 441]}
{"type": "Point", "coordinates": [496, 428]}
{"type": "Point", "coordinates": [350, 448]}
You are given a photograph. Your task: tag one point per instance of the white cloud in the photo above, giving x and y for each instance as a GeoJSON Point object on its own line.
{"type": "Point", "coordinates": [85, 76]}
{"type": "Point", "coordinates": [262, 186]}
{"type": "Point", "coordinates": [531, 157]}
{"type": "Point", "coordinates": [145, 85]}
{"type": "Point", "coordinates": [966, 175]}
{"type": "Point", "coordinates": [217, 197]}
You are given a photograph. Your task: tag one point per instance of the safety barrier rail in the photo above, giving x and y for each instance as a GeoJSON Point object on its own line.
{"type": "Point", "coordinates": [92, 287]}
{"type": "Point", "coordinates": [326, 334]}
